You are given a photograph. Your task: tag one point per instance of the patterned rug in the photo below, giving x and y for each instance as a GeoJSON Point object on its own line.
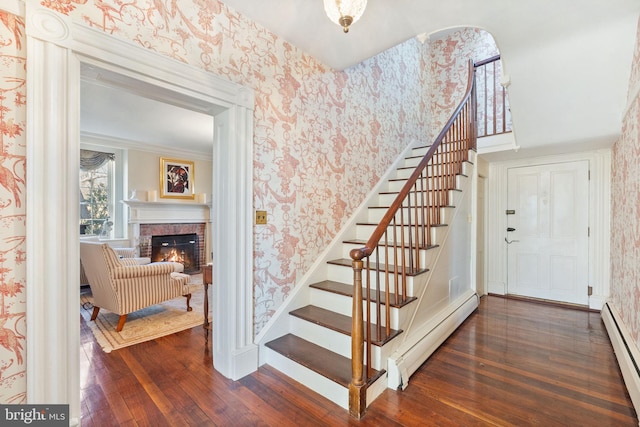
{"type": "Point", "coordinates": [144, 325]}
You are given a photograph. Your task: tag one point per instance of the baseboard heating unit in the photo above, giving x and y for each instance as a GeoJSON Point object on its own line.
{"type": "Point", "coordinates": [626, 352]}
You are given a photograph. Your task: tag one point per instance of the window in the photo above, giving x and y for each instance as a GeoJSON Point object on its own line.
{"type": "Point", "coordinates": [100, 188]}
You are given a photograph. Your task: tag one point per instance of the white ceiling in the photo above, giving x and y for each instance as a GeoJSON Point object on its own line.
{"type": "Point", "coordinates": [568, 61]}
{"type": "Point", "coordinates": [125, 112]}
{"type": "Point", "coordinates": [386, 23]}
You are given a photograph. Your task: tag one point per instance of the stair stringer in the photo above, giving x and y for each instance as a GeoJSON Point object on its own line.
{"type": "Point", "coordinates": [279, 324]}
{"type": "Point", "coordinates": [446, 296]}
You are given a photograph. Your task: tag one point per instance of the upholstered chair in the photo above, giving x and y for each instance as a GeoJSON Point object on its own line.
{"type": "Point", "coordinates": [123, 286]}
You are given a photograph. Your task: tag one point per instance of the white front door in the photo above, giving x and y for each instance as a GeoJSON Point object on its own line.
{"type": "Point", "coordinates": [548, 229]}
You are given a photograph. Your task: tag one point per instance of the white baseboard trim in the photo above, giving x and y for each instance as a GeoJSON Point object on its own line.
{"type": "Point", "coordinates": [626, 351]}
{"type": "Point", "coordinates": [405, 361]}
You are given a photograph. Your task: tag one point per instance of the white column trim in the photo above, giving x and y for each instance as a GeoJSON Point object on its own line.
{"type": "Point", "coordinates": [53, 307]}
{"type": "Point", "coordinates": [600, 226]}
{"type": "Point", "coordinates": [495, 257]}
{"type": "Point", "coordinates": [56, 48]}
{"type": "Point", "coordinates": [233, 296]}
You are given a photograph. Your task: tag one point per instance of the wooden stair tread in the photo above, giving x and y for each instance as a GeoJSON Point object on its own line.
{"type": "Point", "coordinates": [375, 223]}
{"type": "Point", "coordinates": [331, 365]}
{"type": "Point", "coordinates": [341, 323]}
{"type": "Point", "coordinates": [412, 207]}
{"type": "Point", "coordinates": [384, 193]}
{"type": "Point", "coordinates": [392, 268]}
{"type": "Point", "coordinates": [430, 176]}
{"type": "Point", "coordinates": [347, 290]}
{"type": "Point", "coordinates": [429, 166]}
{"type": "Point", "coordinates": [364, 242]}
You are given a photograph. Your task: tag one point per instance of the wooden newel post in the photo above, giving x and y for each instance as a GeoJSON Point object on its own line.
{"type": "Point", "coordinates": [357, 387]}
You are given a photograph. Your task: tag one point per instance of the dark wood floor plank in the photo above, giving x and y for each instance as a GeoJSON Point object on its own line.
{"type": "Point", "coordinates": [512, 363]}
{"type": "Point", "coordinates": [532, 396]}
{"type": "Point", "coordinates": [311, 402]}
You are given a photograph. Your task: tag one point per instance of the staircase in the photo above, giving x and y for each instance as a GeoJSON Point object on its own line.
{"type": "Point", "coordinates": [388, 293]}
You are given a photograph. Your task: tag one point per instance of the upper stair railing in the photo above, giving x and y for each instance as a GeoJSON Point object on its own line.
{"type": "Point", "coordinates": [403, 232]}
{"type": "Point", "coordinates": [494, 116]}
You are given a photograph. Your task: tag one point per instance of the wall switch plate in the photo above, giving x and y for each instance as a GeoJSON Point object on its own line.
{"type": "Point", "coordinates": [261, 217]}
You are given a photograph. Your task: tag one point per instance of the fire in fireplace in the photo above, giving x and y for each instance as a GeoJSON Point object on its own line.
{"type": "Point", "coordinates": [182, 248]}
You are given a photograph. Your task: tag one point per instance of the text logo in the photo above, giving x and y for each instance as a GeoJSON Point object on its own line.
{"type": "Point", "coordinates": [34, 415]}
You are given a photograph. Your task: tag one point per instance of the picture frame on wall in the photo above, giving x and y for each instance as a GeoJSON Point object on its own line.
{"type": "Point", "coordinates": [177, 179]}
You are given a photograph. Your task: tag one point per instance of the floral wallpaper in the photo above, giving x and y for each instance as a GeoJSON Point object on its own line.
{"type": "Point", "coordinates": [12, 210]}
{"type": "Point", "coordinates": [625, 209]}
{"type": "Point", "coordinates": [449, 56]}
{"type": "Point", "coordinates": [322, 139]}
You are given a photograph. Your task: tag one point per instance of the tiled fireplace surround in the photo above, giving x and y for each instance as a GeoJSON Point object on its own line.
{"type": "Point", "coordinates": [147, 219]}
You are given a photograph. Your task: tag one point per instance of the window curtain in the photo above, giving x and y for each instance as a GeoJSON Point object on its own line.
{"type": "Point", "coordinates": [92, 160]}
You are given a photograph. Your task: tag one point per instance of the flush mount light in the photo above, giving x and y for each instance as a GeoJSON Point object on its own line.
{"type": "Point", "coordinates": [344, 12]}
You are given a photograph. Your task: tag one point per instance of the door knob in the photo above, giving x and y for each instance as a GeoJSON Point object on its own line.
{"type": "Point", "coordinates": [510, 241]}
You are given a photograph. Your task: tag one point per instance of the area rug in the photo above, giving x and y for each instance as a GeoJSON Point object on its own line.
{"type": "Point", "coordinates": [144, 325]}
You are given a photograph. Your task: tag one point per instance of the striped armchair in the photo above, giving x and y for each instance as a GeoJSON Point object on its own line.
{"type": "Point", "coordinates": [122, 286]}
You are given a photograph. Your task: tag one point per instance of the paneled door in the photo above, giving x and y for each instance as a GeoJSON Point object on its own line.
{"type": "Point", "coordinates": [548, 229]}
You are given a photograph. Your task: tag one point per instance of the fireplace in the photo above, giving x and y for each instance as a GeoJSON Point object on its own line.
{"type": "Point", "coordinates": [182, 248]}
{"type": "Point", "coordinates": [167, 233]}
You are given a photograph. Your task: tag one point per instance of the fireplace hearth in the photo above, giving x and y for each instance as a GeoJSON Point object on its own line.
{"type": "Point", "coordinates": [182, 248]}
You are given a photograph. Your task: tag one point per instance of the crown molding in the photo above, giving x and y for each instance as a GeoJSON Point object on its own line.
{"type": "Point", "coordinates": [127, 144]}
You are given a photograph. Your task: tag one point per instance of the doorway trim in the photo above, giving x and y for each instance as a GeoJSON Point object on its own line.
{"type": "Point", "coordinates": [599, 220]}
{"type": "Point", "coordinates": [56, 47]}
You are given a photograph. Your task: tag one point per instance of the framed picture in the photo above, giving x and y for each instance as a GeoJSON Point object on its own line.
{"type": "Point", "coordinates": [177, 179]}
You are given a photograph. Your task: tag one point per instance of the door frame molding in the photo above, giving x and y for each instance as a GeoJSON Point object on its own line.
{"type": "Point", "coordinates": [599, 220]}
{"type": "Point", "coordinates": [56, 47]}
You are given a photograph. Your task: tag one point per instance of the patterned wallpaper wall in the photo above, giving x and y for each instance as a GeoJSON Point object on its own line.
{"type": "Point", "coordinates": [322, 137]}
{"type": "Point", "coordinates": [13, 115]}
{"type": "Point", "coordinates": [448, 64]}
{"type": "Point", "coordinates": [625, 209]}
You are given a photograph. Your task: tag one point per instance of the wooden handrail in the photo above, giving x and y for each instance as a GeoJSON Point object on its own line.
{"type": "Point", "coordinates": [487, 61]}
{"type": "Point", "coordinates": [403, 232]}
{"type": "Point", "coordinates": [494, 106]}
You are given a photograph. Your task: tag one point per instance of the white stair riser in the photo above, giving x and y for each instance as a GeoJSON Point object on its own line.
{"type": "Point", "coordinates": [332, 340]}
{"type": "Point", "coordinates": [375, 215]}
{"type": "Point", "coordinates": [426, 256]}
{"type": "Point", "coordinates": [411, 162]}
{"type": "Point", "coordinates": [364, 231]}
{"type": "Point", "coordinates": [396, 185]}
{"type": "Point", "coordinates": [344, 274]}
{"type": "Point", "coordinates": [409, 165]}
{"type": "Point", "coordinates": [421, 151]}
{"type": "Point", "coordinates": [320, 384]}
{"type": "Point", "coordinates": [405, 171]}
{"type": "Point", "coordinates": [342, 304]}
{"type": "Point", "coordinates": [387, 199]}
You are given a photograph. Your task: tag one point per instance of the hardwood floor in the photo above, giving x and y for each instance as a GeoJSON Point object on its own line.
{"type": "Point", "coordinates": [512, 363]}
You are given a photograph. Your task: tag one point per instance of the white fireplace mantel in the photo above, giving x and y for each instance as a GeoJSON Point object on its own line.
{"type": "Point", "coordinates": [173, 212]}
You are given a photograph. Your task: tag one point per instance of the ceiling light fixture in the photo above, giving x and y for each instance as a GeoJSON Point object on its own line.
{"type": "Point", "coordinates": [344, 12]}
